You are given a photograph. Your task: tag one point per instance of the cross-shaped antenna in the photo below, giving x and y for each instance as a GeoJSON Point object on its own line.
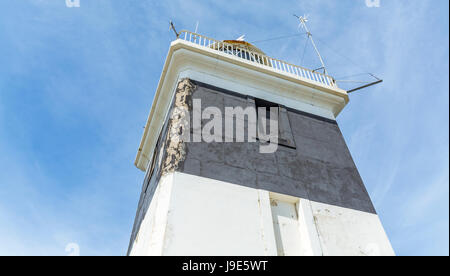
{"type": "Point", "coordinates": [303, 20]}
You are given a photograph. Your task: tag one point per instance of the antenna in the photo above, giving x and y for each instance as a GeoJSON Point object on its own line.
{"type": "Point", "coordinates": [377, 81]}
{"type": "Point", "coordinates": [241, 38]}
{"type": "Point", "coordinates": [196, 27]}
{"type": "Point", "coordinates": [303, 20]}
{"type": "Point", "coordinates": [172, 27]}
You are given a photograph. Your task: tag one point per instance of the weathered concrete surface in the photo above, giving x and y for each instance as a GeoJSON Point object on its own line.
{"type": "Point", "coordinates": [176, 148]}
{"type": "Point", "coordinates": [320, 168]}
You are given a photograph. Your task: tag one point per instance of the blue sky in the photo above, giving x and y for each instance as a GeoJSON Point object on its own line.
{"type": "Point", "coordinates": [76, 86]}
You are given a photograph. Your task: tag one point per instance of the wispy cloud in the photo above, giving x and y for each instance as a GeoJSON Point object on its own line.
{"type": "Point", "coordinates": [76, 86]}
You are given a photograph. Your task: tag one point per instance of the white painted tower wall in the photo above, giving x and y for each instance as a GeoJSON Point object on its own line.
{"type": "Point", "coordinates": [239, 220]}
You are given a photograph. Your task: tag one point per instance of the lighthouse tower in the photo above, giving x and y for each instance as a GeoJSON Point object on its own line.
{"type": "Point", "coordinates": [210, 191]}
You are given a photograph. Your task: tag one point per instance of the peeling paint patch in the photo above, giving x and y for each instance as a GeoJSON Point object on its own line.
{"type": "Point", "coordinates": [176, 148]}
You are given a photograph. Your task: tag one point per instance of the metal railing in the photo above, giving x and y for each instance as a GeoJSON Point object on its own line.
{"type": "Point", "coordinates": [259, 58]}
